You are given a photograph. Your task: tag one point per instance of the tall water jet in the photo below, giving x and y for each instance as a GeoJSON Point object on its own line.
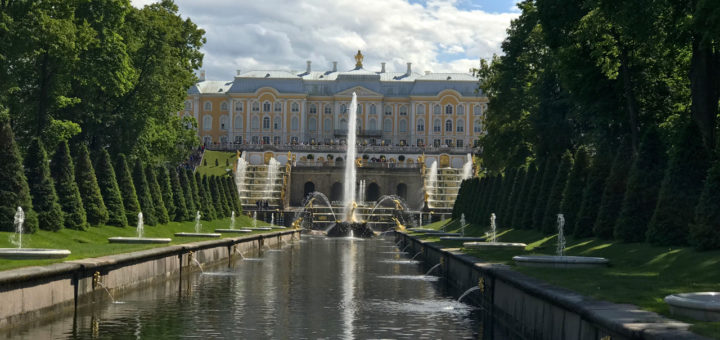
{"type": "Point", "coordinates": [462, 224]}
{"type": "Point", "coordinates": [467, 168]}
{"type": "Point", "coordinates": [561, 234]}
{"type": "Point", "coordinates": [232, 220]}
{"type": "Point", "coordinates": [198, 226]}
{"type": "Point", "coordinates": [140, 230]}
{"type": "Point", "coordinates": [493, 229]}
{"type": "Point", "coordinates": [18, 222]}
{"type": "Point", "coordinates": [431, 180]}
{"type": "Point", "coordinates": [240, 174]}
{"type": "Point", "coordinates": [350, 171]}
{"type": "Point", "coordinates": [140, 225]}
{"type": "Point", "coordinates": [254, 222]}
{"type": "Point", "coordinates": [28, 253]}
{"type": "Point", "coordinates": [272, 174]}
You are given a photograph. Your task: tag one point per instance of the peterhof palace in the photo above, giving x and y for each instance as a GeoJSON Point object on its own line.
{"type": "Point", "coordinates": [405, 122]}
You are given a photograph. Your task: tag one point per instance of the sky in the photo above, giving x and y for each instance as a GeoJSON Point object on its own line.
{"type": "Point", "coordinates": [433, 35]}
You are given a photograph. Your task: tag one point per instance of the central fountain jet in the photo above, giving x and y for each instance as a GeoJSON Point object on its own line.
{"type": "Point", "coordinates": [350, 225]}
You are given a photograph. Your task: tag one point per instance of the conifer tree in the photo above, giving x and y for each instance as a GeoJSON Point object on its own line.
{"type": "Point", "coordinates": [705, 231]}
{"type": "Point", "coordinates": [495, 198]}
{"type": "Point", "coordinates": [215, 196]}
{"type": "Point", "coordinates": [473, 213]}
{"type": "Point", "coordinates": [227, 194]}
{"type": "Point", "coordinates": [551, 170]}
{"type": "Point", "coordinates": [143, 193]}
{"type": "Point", "coordinates": [508, 186]}
{"type": "Point", "coordinates": [614, 193]}
{"type": "Point", "coordinates": [680, 189]}
{"type": "Point", "coordinates": [163, 178]}
{"type": "Point", "coordinates": [195, 180]}
{"type": "Point", "coordinates": [110, 191]}
{"type": "Point", "coordinates": [527, 215]}
{"type": "Point", "coordinates": [232, 189]}
{"type": "Point", "coordinates": [181, 211]}
{"type": "Point", "coordinates": [223, 196]}
{"type": "Point", "coordinates": [488, 193]}
{"type": "Point", "coordinates": [14, 189]}
{"type": "Point", "coordinates": [552, 207]}
{"type": "Point", "coordinates": [573, 191]}
{"type": "Point", "coordinates": [93, 203]}
{"type": "Point", "coordinates": [592, 194]}
{"type": "Point", "coordinates": [125, 183]}
{"type": "Point", "coordinates": [156, 194]}
{"type": "Point", "coordinates": [460, 200]}
{"type": "Point", "coordinates": [63, 172]}
{"type": "Point", "coordinates": [207, 208]}
{"type": "Point", "coordinates": [523, 197]}
{"type": "Point", "coordinates": [642, 190]}
{"type": "Point", "coordinates": [42, 188]}
{"type": "Point", "coordinates": [186, 186]}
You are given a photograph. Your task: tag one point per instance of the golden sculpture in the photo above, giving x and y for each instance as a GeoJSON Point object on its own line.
{"type": "Point", "coordinates": [358, 59]}
{"type": "Point", "coordinates": [426, 197]}
{"type": "Point", "coordinates": [399, 226]}
{"type": "Point", "coordinates": [351, 213]}
{"type": "Point", "coordinates": [358, 162]}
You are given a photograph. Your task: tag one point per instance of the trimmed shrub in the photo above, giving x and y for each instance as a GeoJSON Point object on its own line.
{"type": "Point", "coordinates": [195, 181]}
{"type": "Point", "coordinates": [517, 187]}
{"type": "Point", "coordinates": [614, 193]}
{"type": "Point", "coordinates": [592, 194]}
{"type": "Point", "coordinates": [523, 196]}
{"type": "Point", "coordinates": [680, 189]}
{"type": "Point", "coordinates": [14, 189]}
{"type": "Point", "coordinates": [234, 194]}
{"type": "Point", "coordinates": [642, 190]}
{"type": "Point", "coordinates": [42, 188]}
{"type": "Point", "coordinates": [508, 186]}
{"type": "Point", "coordinates": [168, 198]}
{"type": "Point", "coordinates": [208, 207]}
{"type": "Point", "coordinates": [551, 170]}
{"type": "Point", "coordinates": [705, 231]}
{"type": "Point", "coordinates": [217, 201]}
{"type": "Point", "coordinates": [552, 208]}
{"type": "Point", "coordinates": [181, 210]}
{"type": "Point", "coordinates": [63, 172]}
{"type": "Point", "coordinates": [186, 186]}
{"type": "Point", "coordinates": [532, 199]}
{"type": "Point", "coordinates": [573, 192]}
{"type": "Point", "coordinates": [110, 191]}
{"type": "Point", "coordinates": [161, 212]}
{"type": "Point", "coordinates": [143, 193]}
{"type": "Point", "coordinates": [131, 204]}
{"type": "Point", "coordinates": [95, 209]}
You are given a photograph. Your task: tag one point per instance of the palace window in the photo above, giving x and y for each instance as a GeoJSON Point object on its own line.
{"type": "Point", "coordinates": [420, 109]}
{"type": "Point", "coordinates": [459, 143]}
{"type": "Point", "coordinates": [448, 109]}
{"type": "Point", "coordinates": [295, 107]}
{"type": "Point", "coordinates": [238, 122]}
{"type": "Point", "coordinates": [266, 107]}
{"type": "Point", "coordinates": [387, 125]}
{"type": "Point", "coordinates": [266, 139]}
{"type": "Point", "coordinates": [276, 140]}
{"type": "Point", "coordinates": [372, 124]}
{"type": "Point", "coordinates": [266, 123]}
{"type": "Point", "coordinates": [207, 140]}
{"type": "Point", "coordinates": [478, 110]}
{"type": "Point", "coordinates": [276, 123]}
{"type": "Point", "coordinates": [223, 106]}
{"type": "Point", "coordinates": [312, 124]}
{"type": "Point", "coordinates": [327, 125]}
{"type": "Point", "coordinates": [359, 109]}
{"type": "Point", "coordinates": [313, 108]}
{"type": "Point", "coordinates": [448, 125]}
{"type": "Point", "coordinates": [388, 110]}
{"type": "Point", "coordinates": [421, 125]}
{"type": "Point", "coordinates": [448, 142]}
{"type": "Point", "coordinates": [207, 122]}
{"type": "Point", "coordinates": [188, 105]}
{"type": "Point", "coordinates": [461, 109]}
{"type": "Point", "coordinates": [294, 123]}
{"type": "Point", "coordinates": [420, 142]}
{"type": "Point", "coordinates": [238, 106]}
{"type": "Point", "coordinates": [255, 107]}
{"type": "Point", "coordinates": [238, 139]}
{"type": "Point", "coordinates": [436, 125]}
{"type": "Point", "coordinates": [207, 106]}
{"type": "Point", "coordinates": [477, 126]}
{"type": "Point", "coordinates": [460, 126]}
{"type": "Point", "coordinates": [403, 110]}
{"type": "Point", "coordinates": [436, 143]}
{"type": "Point", "coordinates": [328, 109]}
{"type": "Point", "coordinates": [223, 122]}
{"type": "Point", "coordinates": [278, 106]}
{"type": "Point", "coordinates": [372, 109]}
{"type": "Point", "coordinates": [436, 109]}
{"type": "Point", "coordinates": [255, 139]}
{"type": "Point", "coordinates": [343, 108]}
{"type": "Point", "coordinates": [402, 125]}
{"type": "Point", "coordinates": [223, 139]}
{"type": "Point", "coordinates": [255, 123]}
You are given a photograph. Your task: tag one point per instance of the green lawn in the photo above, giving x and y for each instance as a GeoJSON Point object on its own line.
{"type": "Point", "coordinates": [222, 167]}
{"type": "Point", "coordinates": [639, 273]}
{"type": "Point", "coordinates": [93, 242]}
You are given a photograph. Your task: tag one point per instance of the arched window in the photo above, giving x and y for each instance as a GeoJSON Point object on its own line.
{"type": "Point", "coordinates": [437, 125]}
{"type": "Point", "coordinates": [207, 106]}
{"type": "Point", "coordinates": [224, 122]}
{"type": "Point", "coordinates": [420, 109]}
{"type": "Point", "coordinates": [420, 125]}
{"type": "Point", "coordinates": [256, 107]}
{"type": "Point", "coordinates": [327, 125]}
{"type": "Point", "coordinates": [277, 123]}
{"type": "Point", "coordinates": [436, 109]}
{"type": "Point", "coordinates": [223, 106]}
{"type": "Point", "coordinates": [295, 107]}
{"type": "Point", "coordinates": [238, 106]}
{"type": "Point", "coordinates": [388, 110]}
{"type": "Point", "coordinates": [448, 109]}
{"type": "Point", "coordinates": [266, 123]}
{"type": "Point", "coordinates": [188, 105]}
{"type": "Point", "coordinates": [266, 107]}
{"type": "Point", "coordinates": [238, 122]}
{"type": "Point", "coordinates": [294, 123]}
{"type": "Point", "coordinates": [402, 125]}
{"type": "Point", "coordinates": [313, 108]}
{"type": "Point", "coordinates": [372, 124]}
{"type": "Point", "coordinates": [448, 125]}
{"type": "Point", "coordinates": [403, 110]}
{"type": "Point", "coordinates": [328, 109]}
{"type": "Point", "coordinates": [387, 125]}
{"type": "Point", "coordinates": [207, 122]}
{"type": "Point", "coordinates": [460, 125]}
{"type": "Point", "coordinates": [477, 125]}
{"type": "Point", "coordinates": [358, 124]}
{"type": "Point", "coordinates": [255, 123]}
{"type": "Point", "coordinates": [478, 110]}
{"type": "Point", "coordinates": [278, 106]}
{"type": "Point", "coordinates": [461, 109]}
{"type": "Point", "coordinates": [312, 124]}
{"type": "Point", "coordinates": [343, 108]}
{"type": "Point", "coordinates": [343, 123]}
{"type": "Point", "coordinates": [373, 110]}
{"type": "Point", "coordinates": [359, 109]}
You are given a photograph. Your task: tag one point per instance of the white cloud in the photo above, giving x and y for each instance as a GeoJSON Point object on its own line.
{"type": "Point", "coordinates": [283, 34]}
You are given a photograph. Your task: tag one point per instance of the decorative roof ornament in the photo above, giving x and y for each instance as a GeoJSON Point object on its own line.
{"type": "Point", "coordinates": [358, 60]}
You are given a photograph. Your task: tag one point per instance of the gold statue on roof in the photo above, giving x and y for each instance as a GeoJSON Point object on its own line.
{"type": "Point", "coordinates": [358, 59]}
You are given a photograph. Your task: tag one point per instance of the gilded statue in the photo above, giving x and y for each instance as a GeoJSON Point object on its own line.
{"type": "Point", "coordinates": [358, 59]}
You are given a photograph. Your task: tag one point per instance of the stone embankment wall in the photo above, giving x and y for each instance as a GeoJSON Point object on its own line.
{"type": "Point", "coordinates": [521, 307]}
{"type": "Point", "coordinates": [32, 293]}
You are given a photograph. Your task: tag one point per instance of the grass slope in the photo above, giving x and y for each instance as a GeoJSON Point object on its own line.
{"type": "Point", "coordinates": [221, 168]}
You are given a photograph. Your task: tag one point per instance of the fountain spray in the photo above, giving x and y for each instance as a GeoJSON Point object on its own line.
{"type": "Point", "coordinates": [350, 172]}
{"type": "Point", "coordinates": [198, 226]}
{"type": "Point", "coordinates": [18, 222]}
{"type": "Point", "coordinates": [140, 225]}
{"type": "Point", "coordinates": [493, 229]}
{"type": "Point", "coordinates": [561, 235]}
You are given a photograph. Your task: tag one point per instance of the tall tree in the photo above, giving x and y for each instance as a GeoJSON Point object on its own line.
{"type": "Point", "coordinates": [519, 209]}
{"type": "Point", "coordinates": [163, 178]}
{"type": "Point", "coordinates": [705, 230]}
{"type": "Point", "coordinates": [181, 209]}
{"type": "Point", "coordinates": [42, 188]}
{"type": "Point", "coordinates": [592, 193]}
{"type": "Point", "coordinates": [156, 195]}
{"type": "Point", "coordinates": [63, 172]}
{"type": "Point", "coordinates": [110, 190]}
{"type": "Point", "coordinates": [614, 193]}
{"type": "Point", "coordinates": [131, 204]}
{"type": "Point", "coordinates": [526, 222]}
{"type": "Point", "coordinates": [14, 190]}
{"type": "Point", "coordinates": [572, 194]}
{"type": "Point", "coordinates": [95, 209]}
{"type": "Point", "coordinates": [207, 208]}
{"type": "Point", "coordinates": [144, 195]}
{"type": "Point", "coordinates": [552, 207]}
{"type": "Point", "coordinates": [187, 187]}
{"type": "Point", "coordinates": [538, 215]}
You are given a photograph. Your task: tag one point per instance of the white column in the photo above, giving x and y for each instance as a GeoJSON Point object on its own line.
{"type": "Point", "coordinates": [283, 125]}
{"type": "Point", "coordinates": [396, 129]}
{"type": "Point", "coordinates": [412, 125]}
{"type": "Point", "coordinates": [231, 122]}
{"type": "Point", "coordinates": [303, 121]}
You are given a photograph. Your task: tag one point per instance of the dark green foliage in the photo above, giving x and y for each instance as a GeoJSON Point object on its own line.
{"type": "Point", "coordinates": [125, 182]}
{"type": "Point", "coordinates": [572, 194]}
{"type": "Point", "coordinates": [527, 214]}
{"type": "Point", "coordinates": [549, 224]}
{"type": "Point", "coordinates": [195, 181]}
{"type": "Point", "coordinates": [232, 189]}
{"type": "Point", "coordinates": [523, 195]}
{"type": "Point", "coordinates": [227, 209]}
{"type": "Point", "coordinates": [227, 194]}
{"type": "Point", "coordinates": [227, 162]}
{"type": "Point", "coordinates": [167, 192]}
{"type": "Point", "coordinates": [680, 190]}
{"type": "Point", "coordinates": [642, 190]}
{"type": "Point", "coordinates": [63, 172]}
{"type": "Point", "coordinates": [705, 231]}
{"type": "Point", "coordinates": [207, 208]}
{"type": "Point", "coordinates": [494, 203]}
{"type": "Point", "coordinates": [110, 190]}
{"type": "Point", "coordinates": [204, 162]}
{"type": "Point", "coordinates": [143, 194]}
{"type": "Point", "coordinates": [548, 179]}
{"type": "Point", "coordinates": [592, 194]}
{"type": "Point", "coordinates": [216, 197]}
{"type": "Point", "coordinates": [459, 207]}
{"type": "Point", "coordinates": [95, 209]}
{"type": "Point", "coordinates": [514, 197]}
{"type": "Point", "coordinates": [614, 193]}
{"type": "Point", "coordinates": [507, 191]}
{"type": "Point", "coordinates": [216, 162]}
{"type": "Point", "coordinates": [473, 214]}
{"type": "Point", "coordinates": [14, 189]}
{"type": "Point", "coordinates": [42, 188]}
{"type": "Point", "coordinates": [187, 186]}
{"type": "Point", "coordinates": [156, 194]}
{"type": "Point", "coordinates": [181, 210]}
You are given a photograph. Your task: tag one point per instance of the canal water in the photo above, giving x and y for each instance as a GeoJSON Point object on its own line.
{"type": "Point", "coordinates": [315, 288]}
